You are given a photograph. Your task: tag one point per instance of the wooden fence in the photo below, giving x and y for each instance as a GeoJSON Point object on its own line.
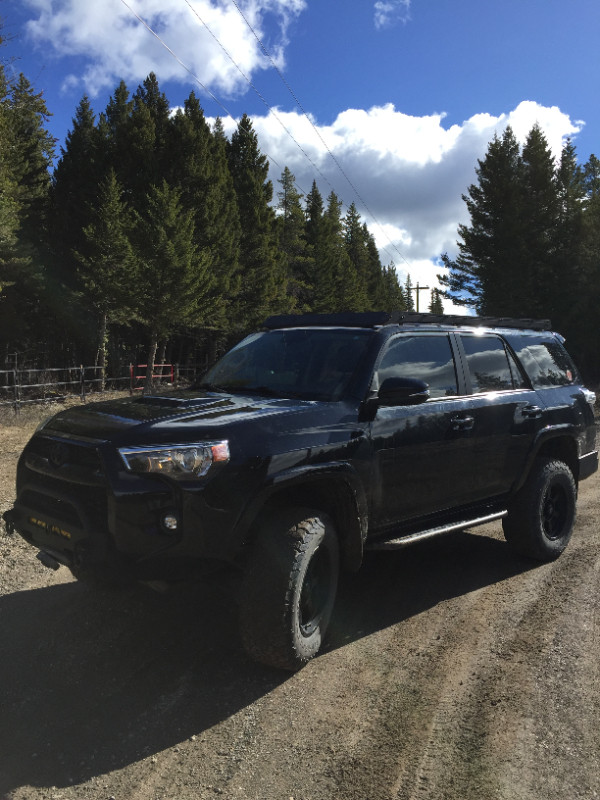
{"type": "Point", "coordinates": [19, 387]}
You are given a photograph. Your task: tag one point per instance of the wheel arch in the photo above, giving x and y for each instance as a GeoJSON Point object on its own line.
{"type": "Point", "coordinates": [557, 445]}
{"type": "Point", "coordinates": [337, 493]}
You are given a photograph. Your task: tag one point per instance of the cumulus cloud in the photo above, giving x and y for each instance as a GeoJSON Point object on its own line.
{"type": "Point", "coordinates": [116, 46]}
{"type": "Point", "coordinates": [406, 174]}
{"type": "Point", "coordinates": [388, 12]}
{"type": "Point", "coordinates": [410, 172]}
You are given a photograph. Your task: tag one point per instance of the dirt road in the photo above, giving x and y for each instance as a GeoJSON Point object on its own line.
{"type": "Point", "coordinates": [453, 672]}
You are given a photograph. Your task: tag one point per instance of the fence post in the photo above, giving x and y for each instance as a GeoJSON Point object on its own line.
{"type": "Point", "coordinates": [81, 383]}
{"type": "Point", "coordinates": [130, 378]}
{"type": "Point", "coordinates": [17, 394]}
{"type": "Point", "coordinates": [176, 377]}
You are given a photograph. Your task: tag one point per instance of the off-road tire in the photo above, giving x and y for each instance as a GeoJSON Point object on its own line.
{"type": "Point", "coordinates": [289, 587]}
{"type": "Point", "coordinates": [540, 518]}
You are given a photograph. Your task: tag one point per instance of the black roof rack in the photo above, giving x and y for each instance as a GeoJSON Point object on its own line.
{"type": "Point", "coordinates": [344, 319]}
{"type": "Point", "coordinates": [478, 322]}
{"type": "Point", "coordinates": [375, 319]}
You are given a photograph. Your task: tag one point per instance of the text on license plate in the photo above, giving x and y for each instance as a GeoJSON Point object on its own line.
{"type": "Point", "coordinates": [50, 528]}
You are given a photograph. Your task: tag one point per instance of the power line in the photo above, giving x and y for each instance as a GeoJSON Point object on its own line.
{"type": "Point", "coordinates": [257, 92]}
{"type": "Point", "coordinates": [188, 70]}
{"type": "Point", "coordinates": [271, 110]}
{"type": "Point", "coordinates": [316, 130]}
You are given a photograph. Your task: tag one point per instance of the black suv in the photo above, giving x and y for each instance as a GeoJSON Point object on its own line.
{"type": "Point", "coordinates": [311, 440]}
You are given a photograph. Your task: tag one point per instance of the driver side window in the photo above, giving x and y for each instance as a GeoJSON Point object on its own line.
{"type": "Point", "coordinates": [428, 358]}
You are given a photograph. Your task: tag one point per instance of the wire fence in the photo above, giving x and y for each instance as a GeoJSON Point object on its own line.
{"type": "Point", "coordinates": [20, 387]}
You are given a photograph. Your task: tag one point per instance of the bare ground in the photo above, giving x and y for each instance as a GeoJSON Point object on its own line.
{"type": "Point", "coordinates": [453, 671]}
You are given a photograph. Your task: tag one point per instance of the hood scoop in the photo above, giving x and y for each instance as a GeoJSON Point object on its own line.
{"type": "Point", "coordinates": [165, 401]}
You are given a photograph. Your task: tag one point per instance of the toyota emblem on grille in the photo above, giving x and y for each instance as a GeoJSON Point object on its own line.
{"type": "Point", "coordinates": [58, 454]}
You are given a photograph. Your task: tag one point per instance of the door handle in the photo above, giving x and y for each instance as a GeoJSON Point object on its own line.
{"type": "Point", "coordinates": [462, 423]}
{"type": "Point", "coordinates": [532, 412]}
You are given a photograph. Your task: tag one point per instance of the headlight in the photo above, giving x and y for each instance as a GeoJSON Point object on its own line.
{"type": "Point", "coordinates": [176, 461]}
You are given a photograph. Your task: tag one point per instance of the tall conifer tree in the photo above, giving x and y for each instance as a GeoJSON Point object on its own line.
{"type": "Point", "coordinates": [174, 279]}
{"type": "Point", "coordinates": [491, 262]}
{"type": "Point", "coordinates": [263, 277]}
{"type": "Point", "coordinates": [108, 268]}
{"type": "Point", "coordinates": [291, 224]}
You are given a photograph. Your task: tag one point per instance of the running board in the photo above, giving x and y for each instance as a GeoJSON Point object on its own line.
{"type": "Point", "coordinates": [395, 544]}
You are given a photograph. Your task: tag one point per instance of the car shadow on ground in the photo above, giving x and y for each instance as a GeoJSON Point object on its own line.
{"type": "Point", "coordinates": [92, 681]}
{"type": "Point", "coordinates": [396, 585]}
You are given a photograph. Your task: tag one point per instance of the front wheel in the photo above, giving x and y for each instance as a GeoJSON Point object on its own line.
{"type": "Point", "coordinates": [289, 587]}
{"type": "Point", "coordinates": [541, 517]}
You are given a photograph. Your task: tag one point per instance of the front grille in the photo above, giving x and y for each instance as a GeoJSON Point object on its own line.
{"type": "Point", "coordinates": [64, 460]}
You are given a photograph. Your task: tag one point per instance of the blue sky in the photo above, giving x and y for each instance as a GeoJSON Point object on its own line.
{"type": "Point", "coordinates": [403, 96]}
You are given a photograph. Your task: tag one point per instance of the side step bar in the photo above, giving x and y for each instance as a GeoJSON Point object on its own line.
{"type": "Point", "coordinates": [402, 541]}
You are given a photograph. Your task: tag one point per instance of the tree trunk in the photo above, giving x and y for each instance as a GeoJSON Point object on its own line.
{"type": "Point", "coordinates": [152, 348]}
{"type": "Point", "coordinates": [160, 358]}
{"type": "Point", "coordinates": [102, 347]}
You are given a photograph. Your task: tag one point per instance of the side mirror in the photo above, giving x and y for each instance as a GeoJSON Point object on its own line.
{"type": "Point", "coordinates": [403, 392]}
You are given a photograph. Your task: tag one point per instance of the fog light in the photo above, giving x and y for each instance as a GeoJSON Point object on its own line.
{"type": "Point", "coordinates": [170, 522]}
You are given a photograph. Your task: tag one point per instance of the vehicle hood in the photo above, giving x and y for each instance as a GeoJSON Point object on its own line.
{"type": "Point", "coordinates": [181, 416]}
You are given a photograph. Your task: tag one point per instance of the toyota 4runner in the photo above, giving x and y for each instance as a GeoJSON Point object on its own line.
{"type": "Point", "coordinates": [308, 442]}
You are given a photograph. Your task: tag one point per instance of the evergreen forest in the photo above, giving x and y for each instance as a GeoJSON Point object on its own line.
{"type": "Point", "coordinates": [532, 248]}
{"type": "Point", "coordinates": [153, 237]}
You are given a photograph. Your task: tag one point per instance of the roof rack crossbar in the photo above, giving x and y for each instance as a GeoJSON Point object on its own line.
{"type": "Point", "coordinates": [407, 317]}
{"type": "Point", "coordinates": [375, 319]}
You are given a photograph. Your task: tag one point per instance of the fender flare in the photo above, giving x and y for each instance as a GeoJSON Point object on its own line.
{"type": "Point", "coordinates": [346, 503]}
{"type": "Point", "coordinates": [546, 435]}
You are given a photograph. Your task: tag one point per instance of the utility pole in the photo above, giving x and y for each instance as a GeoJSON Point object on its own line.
{"type": "Point", "coordinates": [418, 289]}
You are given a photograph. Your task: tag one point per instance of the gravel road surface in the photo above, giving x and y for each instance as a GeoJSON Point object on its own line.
{"type": "Point", "coordinates": [453, 671]}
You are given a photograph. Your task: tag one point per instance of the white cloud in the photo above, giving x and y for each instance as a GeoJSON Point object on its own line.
{"type": "Point", "coordinates": [411, 172]}
{"type": "Point", "coordinates": [116, 46]}
{"type": "Point", "coordinates": [388, 12]}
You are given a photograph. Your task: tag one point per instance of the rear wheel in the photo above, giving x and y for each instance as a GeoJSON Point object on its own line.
{"type": "Point", "coordinates": [541, 517]}
{"type": "Point", "coordinates": [289, 587]}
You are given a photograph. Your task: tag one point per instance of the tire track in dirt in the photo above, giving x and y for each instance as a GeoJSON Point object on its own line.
{"type": "Point", "coordinates": [453, 672]}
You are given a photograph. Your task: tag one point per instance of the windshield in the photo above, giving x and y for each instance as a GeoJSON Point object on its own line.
{"type": "Point", "coordinates": [309, 363]}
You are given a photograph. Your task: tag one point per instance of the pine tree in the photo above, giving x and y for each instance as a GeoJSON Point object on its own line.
{"type": "Point", "coordinates": [10, 260]}
{"type": "Point", "coordinates": [540, 219]}
{"type": "Point", "coordinates": [75, 190]}
{"type": "Point", "coordinates": [264, 290]}
{"type": "Point", "coordinates": [141, 151]}
{"type": "Point", "coordinates": [376, 287]}
{"type": "Point", "coordinates": [174, 279]}
{"type": "Point", "coordinates": [408, 293]}
{"type": "Point", "coordinates": [297, 262]}
{"type": "Point", "coordinates": [25, 178]}
{"type": "Point", "coordinates": [202, 173]}
{"type": "Point", "coordinates": [571, 279]}
{"type": "Point", "coordinates": [491, 263]}
{"type": "Point", "coordinates": [108, 269]}
{"type": "Point", "coordinates": [354, 237]}
{"type": "Point", "coordinates": [394, 299]}
{"type": "Point", "coordinates": [436, 305]}
{"type": "Point", "coordinates": [32, 158]}
{"type": "Point", "coordinates": [588, 333]}
{"type": "Point", "coordinates": [337, 286]}
{"type": "Point", "coordinates": [114, 127]}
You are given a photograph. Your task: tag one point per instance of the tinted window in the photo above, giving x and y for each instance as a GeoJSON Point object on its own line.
{"type": "Point", "coordinates": [428, 358]}
{"type": "Point", "coordinates": [487, 363]}
{"type": "Point", "coordinates": [311, 363]}
{"type": "Point", "coordinates": [545, 361]}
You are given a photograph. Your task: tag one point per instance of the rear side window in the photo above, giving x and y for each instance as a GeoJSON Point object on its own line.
{"type": "Point", "coordinates": [428, 358]}
{"type": "Point", "coordinates": [488, 364]}
{"type": "Point", "coordinates": [545, 361]}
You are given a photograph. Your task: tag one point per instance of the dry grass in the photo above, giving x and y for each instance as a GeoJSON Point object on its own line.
{"type": "Point", "coordinates": [32, 414]}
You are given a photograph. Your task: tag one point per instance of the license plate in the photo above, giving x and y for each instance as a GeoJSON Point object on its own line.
{"type": "Point", "coordinates": [50, 527]}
